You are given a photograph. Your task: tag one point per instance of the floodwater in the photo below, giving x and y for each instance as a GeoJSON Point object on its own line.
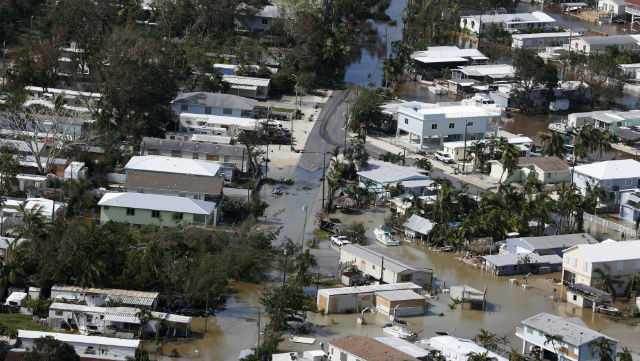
{"type": "Point", "coordinates": [367, 69]}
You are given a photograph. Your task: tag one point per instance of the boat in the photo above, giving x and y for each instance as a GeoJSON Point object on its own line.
{"type": "Point", "coordinates": [608, 310]}
{"type": "Point", "coordinates": [399, 331]}
{"type": "Point", "coordinates": [383, 235]}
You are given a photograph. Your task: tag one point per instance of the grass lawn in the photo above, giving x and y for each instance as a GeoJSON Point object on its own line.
{"type": "Point", "coordinates": [16, 321]}
{"type": "Point", "coordinates": [282, 110]}
{"type": "Point", "coordinates": [321, 234]}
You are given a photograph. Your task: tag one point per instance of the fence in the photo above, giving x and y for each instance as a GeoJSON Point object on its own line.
{"type": "Point", "coordinates": [599, 226]}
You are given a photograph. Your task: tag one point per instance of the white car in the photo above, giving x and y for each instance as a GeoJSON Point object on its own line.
{"type": "Point", "coordinates": [444, 157]}
{"type": "Point", "coordinates": [340, 241]}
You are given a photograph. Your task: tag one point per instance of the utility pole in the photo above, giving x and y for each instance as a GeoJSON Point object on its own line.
{"type": "Point", "coordinates": [323, 177]}
{"type": "Point", "coordinates": [284, 271]}
{"type": "Point", "coordinates": [304, 226]}
{"type": "Point", "coordinates": [259, 330]}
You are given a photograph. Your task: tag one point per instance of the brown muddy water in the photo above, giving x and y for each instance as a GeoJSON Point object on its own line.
{"type": "Point", "coordinates": [235, 328]}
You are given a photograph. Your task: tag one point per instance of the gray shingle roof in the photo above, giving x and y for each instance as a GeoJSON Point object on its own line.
{"type": "Point", "coordinates": [558, 241]}
{"type": "Point", "coordinates": [419, 224]}
{"type": "Point", "coordinates": [571, 332]}
{"type": "Point", "coordinates": [216, 100]}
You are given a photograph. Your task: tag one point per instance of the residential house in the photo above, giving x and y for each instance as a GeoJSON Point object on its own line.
{"type": "Point", "coordinates": [361, 348]}
{"type": "Point", "coordinates": [46, 208]}
{"type": "Point", "coordinates": [508, 264]}
{"type": "Point", "coordinates": [609, 265]}
{"type": "Point", "coordinates": [605, 120]}
{"type": "Point", "coordinates": [547, 170]}
{"type": "Point", "coordinates": [246, 86]}
{"type": "Point", "coordinates": [156, 209]}
{"type": "Point", "coordinates": [420, 352]}
{"type": "Point", "coordinates": [232, 157]}
{"type": "Point", "coordinates": [87, 347]}
{"type": "Point", "coordinates": [460, 150]}
{"type": "Point", "coordinates": [612, 7]}
{"type": "Point", "coordinates": [214, 104]}
{"type": "Point", "coordinates": [597, 44]}
{"type": "Point", "coordinates": [536, 21]}
{"type": "Point", "coordinates": [400, 303]}
{"type": "Point", "coordinates": [489, 73]}
{"type": "Point", "coordinates": [417, 227]}
{"type": "Point", "coordinates": [631, 71]}
{"type": "Point", "coordinates": [216, 125]}
{"type": "Point", "coordinates": [257, 20]}
{"type": "Point", "coordinates": [193, 178]}
{"type": "Point", "coordinates": [612, 176]}
{"type": "Point", "coordinates": [433, 124]}
{"type": "Point", "coordinates": [383, 267]}
{"type": "Point", "coordinates": [630, 205]}
{"type": "Point", "coordinates": [122, 322]}
{"type": "Point", "coordinates": [542, 40]}
{"type": "Point", "coordinates": [355, 299]}
{"type": "Point", "coordinates": [458, 349]}
{"type": "Point", "coordinates": [379, 176]}
{"type": "Point", "coordinates": [435, 59]}
{"type": "Point", "coordinates": [103, 296]}
{"type": "Point", "coordinates": [547, 245]}
{"type": "Point", "coordinates": [575, 343]}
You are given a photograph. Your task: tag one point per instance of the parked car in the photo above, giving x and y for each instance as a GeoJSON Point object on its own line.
{"type": "Point", "coordinates": [444, 157]}
{"type": "Point", "coordinates": [608, 310]}
{"type": "Point", "coordinates": [340, 241]}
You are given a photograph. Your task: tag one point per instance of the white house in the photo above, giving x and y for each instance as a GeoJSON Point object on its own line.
{"type": "Point", "coordinates": [220, 125]}
{"type": "Point", "coordinates": [612, 176]}
{"type": "Point", "coordinates": [156, 209]}
{"type": "Point", "coordinates": [249, 87]}
{"type": "Point", "coordinates": [437, 123]}
{"type": "Point", "coordinates": [542, 40]}
{"type": "Point", "coordinates": [605, 120]}
{"type": "Point", "coordinates": [436, 58]}
{"type": "Point", "coordinates": [590, 264]}
{"type": "Point", "coordinates": [379, 175]}
{"type": "Point", "coordinates": [214, 104]}
{"type": "Point", "coordinates": [89, 347]}
{"type": "Point", "coordinates": [631, 71]}
{"type": "Point", "coordinates": [458, 349]}
{"type": "Point", "coordinates": [613, 7]}
{"type": "Point", "coordinates": [520, 22]}
{"type": "Point", "coordinates": [577, 342]}
{"type": "Point", "coordinates": [597, 44]}
{"type": "Point", "coordinates": [102, 296]}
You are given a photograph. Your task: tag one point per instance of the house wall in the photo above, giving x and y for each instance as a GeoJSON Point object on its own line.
{"type": "Point", "coordinates": [197, 187]}
{"type": "Point", "coordinates": [611, 186]}
{"type": "Point", "coordinates": [144, 217]}
{"type": "Point", "coordinates": [585, 352]}
{"type": "Point", "coordinates": [255, 24]}
{"type": "Point", "coordinates": [539, 43]}
{"type": "Point", "coordinates": [611, 6]}
{"type": "Point", "coordinates": [338, 354]}
{"type": "Point", "coordinates": [180, 107]}
{"type": "Point", "coordinates": [405, 308]}
{"type": "Point", "coordinates": [99, 351]}
{"type": "Point", "coordinates": [620, 272]}
{"type": "Point", "coordinates": [554, 177]}
{"type": "Point", "coordinates": [450, 129]}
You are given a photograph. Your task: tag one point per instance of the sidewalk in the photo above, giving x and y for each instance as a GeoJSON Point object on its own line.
{"type": "Point", "coordinates": [481, 181]}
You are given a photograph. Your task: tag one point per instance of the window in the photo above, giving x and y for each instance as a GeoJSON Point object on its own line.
{"type": "Point", "coordinates": [265, 21]}
{"type": "Point", "coordinates": [195, 156]}
{"type": "Point", "coordinates": [178, 216]}
{"type": "Point", "coordinates": [343, 356]}
{"type": "Point", "coordinates": [199, 219]}
{"type": "Point", "coordinates": [207, 110]}
{"type": "Point", "coordinates": [406, 120]}
{"type": "Point", "coordinates": [434, 126]}
{"type": "Point", "coordinates": [131, 212]}
{"type": "Point", "coordinates": [184, 107]}
{"type": "Point", "coordinates": [214, 157]}
{"type": "Point", "coordinates": [452, 125]}
{"type": "Point", "coordinates": [469, 124]}
{"type": "Point", "coordinates": [227, 111]}
{"type": "Point", "coordinates": [58, 313]}
{"type": "Point", "coordinates": [155, 214]}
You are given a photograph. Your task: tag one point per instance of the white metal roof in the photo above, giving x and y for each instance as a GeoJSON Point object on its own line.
{"type": "Point", "coordinates": [461, 346]}
{"type": "Point", "coordinates": [608, 251]}
{"type": "Point", "coordinates": [491, 70]}
{"type": "Point", "coordinates": [561, 34]}
{"type": "Point", "coordinates": [75, 338]}
{"type": "Point", "coordinates": [246, 80]}
{"type": "Point", "coordinates": [221, 120]}
{"type": "Point", "coordinates": [611, 169]}
{"type": "Point", "coordinates": [157, 202]}
{"type": "Point", "coordinates": [445, 54]}
{"type": "Point", "coordinates": [378, 258]}
{"type": "Point", "coordinates": [385, 172]}
{"type": "Point", "coordinates": [216, 100]}
{"type": "Point", "coordinates": [369, 289]}
{"type": "Point", "coordinates": [418, 224]}
{"type": "Point", "coordinates": [533, 17]}
{"type": "Point", "coordinates": [16, 297]}
{"type": "Point", "coordinates": [571, 332]}
{"type": "Point", "coordinates": [400, 295]}
{"type": "Point", "coordinates": [403, 346]}
{"type": "Point", "coordinates": [164, 164]}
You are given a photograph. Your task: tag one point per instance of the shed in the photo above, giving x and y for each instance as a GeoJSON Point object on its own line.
{"type": "Point", "coordinates": [417, 227]}
{"type": "Point", "coordinates": [400, 303]}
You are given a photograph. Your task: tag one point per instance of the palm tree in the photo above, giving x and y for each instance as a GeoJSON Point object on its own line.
{"type": "Point", "coordinates": [487, 339]}
{"type": "Point", "coordinates": [509, 160]}
{"type": "Point", "coordinates": [604, 349]}
{"type": "Point", "coordinates": [552, 143]}
{"type": "Point", "coordinates": [625, 355]}
{"type": "Point", "coordinates": [476, 356]}
{"type": "Point", "coordinates": [145, 316]}
{"type": "Point", "coordinates": [554, 340]}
